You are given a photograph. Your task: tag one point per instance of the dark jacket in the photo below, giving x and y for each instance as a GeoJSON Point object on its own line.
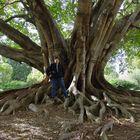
{"type": "Point", "coordinates": [53, 73]}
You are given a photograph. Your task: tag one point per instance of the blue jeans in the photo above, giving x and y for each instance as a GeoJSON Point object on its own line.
{"type": "Point", "coordinates": [55, 83]}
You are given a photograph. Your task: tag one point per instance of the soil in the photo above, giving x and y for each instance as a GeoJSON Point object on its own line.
{"type": "Point", "coordinates": [28, 125]}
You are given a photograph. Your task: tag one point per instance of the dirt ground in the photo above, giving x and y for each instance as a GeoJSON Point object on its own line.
{"type": "Point", "coordinates": [27, 125]}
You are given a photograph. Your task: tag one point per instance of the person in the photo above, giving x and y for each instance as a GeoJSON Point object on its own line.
{"type": "Point", "coordinates": [56, 73]}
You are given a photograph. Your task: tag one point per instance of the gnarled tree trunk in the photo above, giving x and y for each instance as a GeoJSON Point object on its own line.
{"type": "Point", "coordinates": [95, 36]}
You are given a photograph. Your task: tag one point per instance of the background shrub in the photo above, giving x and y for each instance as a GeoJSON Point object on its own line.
{"type": "Point", "coordinates": [34, 77]}
{"type": "Point", "coordinates": [6, 71]}
{"type": "Point", "coordinates": [12, 85]}
{"type": "Point", "coordinates": [20, 70]}
{"type": "Point", "coordinates": [134, 76]}
{"type": "Point", "coordinates": [123, 84]}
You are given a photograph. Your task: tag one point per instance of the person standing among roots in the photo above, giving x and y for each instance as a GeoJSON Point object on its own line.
{"type": "Point", "coordinates": [56, 74]}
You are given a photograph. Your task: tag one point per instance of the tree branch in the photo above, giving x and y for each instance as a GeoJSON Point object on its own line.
{"type": "Point", "coordinates": [118, 32]}
{"type": "Point", "coordinates": [19, 38]}
{"type": "Point", "coordinates": [107, 9]}
{"type": "Point", "coordinates": [122, 26]}
{"type": "Point", "coordinates": [134, 26]}
{"type": "Point", "coordinates": [137, 19]}
{"type": "Point", "coordinates": [11, 53]}
{"type": "Point", "coordinates": [21, 16]}
{"type": "Point", "coordinates": [82, 20]}
{"type": "Point", "coordinates": [34, 60]}
{"type": "Point", "coordinates": [55, 41]}
{"type": "Point", "coordinates": [25, 5]}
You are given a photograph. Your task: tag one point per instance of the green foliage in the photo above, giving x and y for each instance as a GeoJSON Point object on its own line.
{"type": "Point", "coordinates": [131, 44]}
{"type": "Point", "coordinates": [12, 85]}
{"type": "Point", "coordinates": [5, 72]}
{"type": "Point", "coordinates": [134, 75]}
{"type": "Point", "coordinates": [134, 63]}
{"type": "Point", "coordinates": [110, 72]}
{"type": "Point", "coordinates": [64, 12]}
{"type": "Point", "coordinates": [34, 77]}
{"type": "Point", "coordinates": [20, 70]}
{"type": "Point", "coordinates": [123, 84]}
{"type": "Point", "coordinates": [129, 6]}
{"type": "Point", "coordinates": [9, 9]}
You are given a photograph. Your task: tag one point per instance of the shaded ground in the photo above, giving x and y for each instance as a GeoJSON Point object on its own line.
{"type": "Point", "coordinates": [27, 125]}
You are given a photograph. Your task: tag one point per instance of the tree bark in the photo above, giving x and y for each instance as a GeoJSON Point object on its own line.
{"type": "Point", "coordinates": [95, 36]}
{"type": "Point", "coordinates": [33, 59]}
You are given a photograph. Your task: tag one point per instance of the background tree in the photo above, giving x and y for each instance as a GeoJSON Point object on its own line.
{"type": "Point", "coordinates": [20, 70]}
{"type": "Point", "coordinates": [98, 28]}
{"type": "Point", "coordinates": [6, 71]}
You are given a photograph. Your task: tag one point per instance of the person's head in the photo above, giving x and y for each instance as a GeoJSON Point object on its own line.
{"type": "Point", "coordinates": [56, 60]}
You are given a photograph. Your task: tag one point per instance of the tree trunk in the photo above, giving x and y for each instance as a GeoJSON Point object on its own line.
{"type": "Point", "coordinates": [95, 36]}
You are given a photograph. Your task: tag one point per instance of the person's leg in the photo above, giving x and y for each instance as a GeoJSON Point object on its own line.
{"type": "Point", "coordinates": [62, 85]}
{"type": "Point", "coordinates": [54, 83]}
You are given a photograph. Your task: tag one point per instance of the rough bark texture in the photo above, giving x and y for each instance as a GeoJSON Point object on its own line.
{"type": "Point", "coordinates": [95, 36]}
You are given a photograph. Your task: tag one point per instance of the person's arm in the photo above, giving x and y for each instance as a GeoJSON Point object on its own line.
{"type": "Point", "coordinates": [48, 71]}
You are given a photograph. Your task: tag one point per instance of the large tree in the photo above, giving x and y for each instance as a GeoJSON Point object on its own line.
{"type": "Point", "coordinates": [99, 26]}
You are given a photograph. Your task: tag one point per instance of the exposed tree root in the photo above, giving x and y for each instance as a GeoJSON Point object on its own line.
{"type": "Point", "coordinates": [74, 108]}
{"type": "Point", "coordinates": [65, 136]}
{"type": "Point", "coordinates": [9, 107]}
{"type": "Point", "coordinates": [40, 95]}
{"type": "Point", "coordinates": [90, 115]}
{"type": "Point", "coordinates": [81, 105]}
{"type": "Point", "coordinates": [102, 110]}
{"type": "Point", "coordinates": [77, 103]}
{"type": "Point", "coordinates": [19, 99]}
{"type": "Point", "coordinates": [95, 110]}
{"type": "Point", "coordinates": [40, 110]}
{"type": "Point", "coordinates": [101, 131]}
{"type": "Point", "coordinates": [69, 126]}
{"type": "Point", "coordinates": [9, 97]}
{"type": "Point", "coordinates": [27, 99]}
{"type": "Point", "coordinates": [117, 107]}
{"type": "Point", "coordinates": [91, 108]}
{"type": "Point", "coordinates": [68, 130]}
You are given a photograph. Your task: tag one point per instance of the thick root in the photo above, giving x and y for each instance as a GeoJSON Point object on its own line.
{"type": "Point", "coordinates": [117, 107]}
{"type": "Point", "coordinates": [66, 104]}
{"type": "Point", "coordinates": [69, 101]}
{"type": "Point", "coordinates": [68, 130]}
{"type": "Point", "coordinates": [94, 110]}
{"type": "Point", "coordinates": [66, 136]}
{"type": "Point", "coordinates": [41, 94]}
{"type": "Point", "coordinates": [39, 110]}
{"type": "Point", "coordinates": [74, 108]}
{"type": "Point", "coordinates": [101, 131]}
{"type": "Point", "coordinates": [69, 126]}
{"type": "Point", "coordinates": [19, 99]}
{"type": "Point", "coordinates": [124, 111]}
{"type": "Point", "coordinates": [90, 115]}
{"type": "Point", "coordinates": [9, 97]}
{"type": "Point", "coordinates": [85, 106]}
{"type": "Point", "coordinates": [10, 107]}
{"type": "Point", "coordinates": [102, 110]}
{"type": "Point", "coordinates": [81, 105]}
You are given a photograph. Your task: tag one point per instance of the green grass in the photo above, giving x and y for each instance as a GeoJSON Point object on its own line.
{"type": "Point", "coordinates": [123, 84]}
